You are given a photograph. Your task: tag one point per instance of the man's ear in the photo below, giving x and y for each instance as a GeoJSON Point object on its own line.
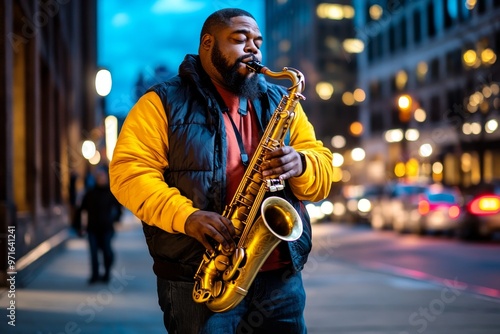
{"type": "Point", "coordinates": [206, 41]}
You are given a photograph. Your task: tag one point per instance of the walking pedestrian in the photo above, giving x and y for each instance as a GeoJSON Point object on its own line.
{"type": "Point", "coordinates": [102, 211]}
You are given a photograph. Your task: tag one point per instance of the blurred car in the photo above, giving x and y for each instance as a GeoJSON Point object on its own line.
{"type": "Point", "coordinates": [319, 211]}
{"type": "Point", "coordinates": [482, 212]}
{"type": "Point", "coordinates": [438, 209]}
{"type": "Point", "coordinates": [353, 204]}
{"type": "Point", "coordinates": [393, 206]}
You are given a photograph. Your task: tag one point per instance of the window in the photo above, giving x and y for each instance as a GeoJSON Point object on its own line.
{"type": "Point", "coordinates": [371, 50]}
{"type": "Point", "coordinates": [417, 27]}
{"type": "Point", "coordinates": [497, 40]}
{"type": "Point", "coordinates": [379, 40]}
{"type": "Point", "coordinates": [21, 130]}
{"type": "Point", "coordinates": [394, 88]}
{"type": "Point", "coordinates": [375, 47]}
{"type": "Point", "coordinates": [376, 122]}
{"type": "Point", "coordinates": [402, 32]}
{"type": "Point", "coordinates": [447, 20]}
{"type": "Point", "coordinates": [47, 129]}
{"type": "Point", "coordinates": [435, 109]}
{"type": "Point", "coordinates": [450, 12]}
{"type": "Point", "coordinates": [434, 70]}
{"type": "Point", "coordinates": [374, 90]}
{"type": "Point", "coordinates": [464, 11]}
{"type": "Point", "coordinates": [421, 72]}
{"type": "Point", "coordinates": [481, 7]}
{"type": "Point", "coordinates": [395, 122]}
{"type": "Point", "coordinates": [455, 111]}
{"type": "Point", "coordinates": [393, 6]}
{"type": "Point", "coordinates": [392, 39]}
{"type": "Point", "coordinates": [454, 62]}
{"type": "Point", "coordinates": [431, 24]}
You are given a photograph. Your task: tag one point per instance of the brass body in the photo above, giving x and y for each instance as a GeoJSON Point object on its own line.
{"type": "Point", "coordinates": [223, 278]}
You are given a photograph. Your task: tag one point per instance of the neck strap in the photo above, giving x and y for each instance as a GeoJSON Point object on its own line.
{"type": "Point", "coordinates": [242, 111]}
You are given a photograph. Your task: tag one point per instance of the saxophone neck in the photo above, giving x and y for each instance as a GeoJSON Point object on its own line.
{"type": "Point", "coordinates": [290, 73]}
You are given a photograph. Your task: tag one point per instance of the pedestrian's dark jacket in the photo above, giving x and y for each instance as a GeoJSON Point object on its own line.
{"type": "Point", "coordinates": [103, 210]}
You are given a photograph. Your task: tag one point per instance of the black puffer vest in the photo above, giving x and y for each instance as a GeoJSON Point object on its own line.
{"type": "Point", "coordinates": [197, 165]}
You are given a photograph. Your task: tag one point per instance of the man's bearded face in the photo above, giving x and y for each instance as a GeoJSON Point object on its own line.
{"type": "Point", "coordinates": [236, 82]}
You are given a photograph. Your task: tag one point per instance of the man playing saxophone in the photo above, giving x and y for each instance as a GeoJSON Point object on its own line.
{"type": "Point", "coordinates": [180, 159]}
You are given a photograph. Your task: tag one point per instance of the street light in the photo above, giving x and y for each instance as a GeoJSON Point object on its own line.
{"type": "Point", "coordinates": [338, 160]}
{"type": "Point", "coordinates": [358, 154]}
{"type": "Point", "coordinates": [103, 82]}
{"type": "Point", "coordinates": [90, 152]}
{"type": "Point", "coordinates": [338, 141]}
{"type": "Point", "coordinates": [88, 149]}
{"type": "Point", "coordinates": [425, 150]}
{"type": "Point", "coordinates": [103, 85]}
{"type": "Point", "coordinates": [111, 132]}
{"type": "Point", "coordinates": [405, 104]}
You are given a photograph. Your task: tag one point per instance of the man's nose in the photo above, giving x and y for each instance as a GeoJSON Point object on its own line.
{"type": "Point", "coordinates": [250, 47]}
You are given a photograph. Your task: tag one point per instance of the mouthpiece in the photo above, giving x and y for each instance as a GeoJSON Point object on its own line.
{"type": "Point", "coordinates": [255, 66]}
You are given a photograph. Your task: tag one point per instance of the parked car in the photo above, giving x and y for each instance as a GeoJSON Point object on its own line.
{"type": "Point", "coordinates": [482, 212]}
{"type": "Point", "coordinates": [438, 209]}
{"type": "Point", "coordinates": [319, 211]}
{"type": "Point", "coordinates": [392, 207]}
{"type": "Point", "coordinates": [353, 203]}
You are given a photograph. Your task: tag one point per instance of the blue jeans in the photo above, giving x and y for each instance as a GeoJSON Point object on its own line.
{"type": "Point", "coordinates": [274, 304]}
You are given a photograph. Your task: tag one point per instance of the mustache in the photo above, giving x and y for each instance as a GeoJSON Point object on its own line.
{"type": "Point", "coordinates": [246, 58]}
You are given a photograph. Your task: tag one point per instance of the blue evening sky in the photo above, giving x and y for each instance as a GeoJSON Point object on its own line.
{"type": "Point", "coordinates": [136, 36]}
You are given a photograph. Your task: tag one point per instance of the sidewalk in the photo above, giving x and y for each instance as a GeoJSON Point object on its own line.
{"type": "Point", "coordinates": [59, 300]}
{"type": "Point", "coordinates": [341, 298]}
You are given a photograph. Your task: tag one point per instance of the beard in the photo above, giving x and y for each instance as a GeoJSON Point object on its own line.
{"type": "Point", "coordinates": [237, 83]}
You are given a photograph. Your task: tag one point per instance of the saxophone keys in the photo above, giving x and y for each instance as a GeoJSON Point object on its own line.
{"type": "Point", "coordinates": [217, 289]}
{"type": "Point", "coordinates": [222, 262]}
{"type": "Point", "coordinates": [238, 256]}
{"type": "Point", "coordinates": [274, 185]}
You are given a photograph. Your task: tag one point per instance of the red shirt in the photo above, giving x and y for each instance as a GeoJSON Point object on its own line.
{"type": "Point", "coordinates": [247, 126]}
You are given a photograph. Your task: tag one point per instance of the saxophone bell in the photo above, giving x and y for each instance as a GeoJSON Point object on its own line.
{"type": "Point", "coordinates": [281, 219]}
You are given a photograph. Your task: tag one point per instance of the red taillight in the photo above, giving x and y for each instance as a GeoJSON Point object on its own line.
{"type": "Point", "coordinates": [423, 207]}
{"type": "Point", "coordinates": [454, 211]}
{"type": "Point", "coordinates": [485, 205]}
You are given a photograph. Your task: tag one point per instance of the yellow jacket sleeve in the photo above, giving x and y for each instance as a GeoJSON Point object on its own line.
{"type": "Point", "coordinates": [136, 169]}
{"type": "Point", "coordinates": [315, 182]}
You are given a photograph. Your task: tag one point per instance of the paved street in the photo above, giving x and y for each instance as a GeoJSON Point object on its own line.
{"type": "Point", "coordinates": [342, 297]}
{"type": "Point", "coordinates": [345, 298]}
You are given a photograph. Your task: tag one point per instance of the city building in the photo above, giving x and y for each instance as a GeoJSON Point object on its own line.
{"type": "Point", "coordinates": [431, 76]}
{"type": "Point", "coordinates": [317, 38]}
{"type": "Point", "coordinates": [49, 107]}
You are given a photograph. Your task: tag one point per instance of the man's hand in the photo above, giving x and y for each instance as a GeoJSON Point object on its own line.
{"type": "Point", "coordinates": [203, 224]}
{"type": "Point", "coordinates": [284, 162]}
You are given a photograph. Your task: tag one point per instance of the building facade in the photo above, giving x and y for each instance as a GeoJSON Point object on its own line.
{"type": "Point", "coordinates": [49, 106]}
{"type": "Point", "coordinates": [311, 36]}
{"type": "Point", "coordinates": [431, 74]}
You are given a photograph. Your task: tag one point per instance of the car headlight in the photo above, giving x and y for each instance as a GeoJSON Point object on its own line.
{"type": "Point", "coordinates": [314, 212]}
{"type": "Point", "coordinates": [339, 209]}
{"type": "Point", "coordinates": [326, 208]}
{"type": "Point", "coordinates": [364, 205]}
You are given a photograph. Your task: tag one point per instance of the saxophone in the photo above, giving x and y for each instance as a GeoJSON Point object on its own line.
{"type": "Point", "coordinates": [223, 278]}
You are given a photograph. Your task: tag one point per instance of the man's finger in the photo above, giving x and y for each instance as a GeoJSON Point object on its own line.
{"type": "Point", "coordinates": [219, 238]}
